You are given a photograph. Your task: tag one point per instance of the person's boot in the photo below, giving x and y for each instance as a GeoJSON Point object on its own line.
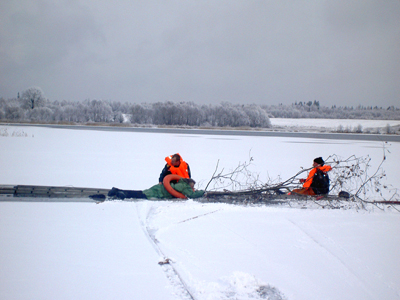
{"type": "Point", "coordinates": [121, 195]}
{"type": "Point", "coordinates": [112, 192]}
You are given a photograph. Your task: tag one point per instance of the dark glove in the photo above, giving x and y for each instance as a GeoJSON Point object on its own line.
{"type": "Point", "coordinates": [302, 180]}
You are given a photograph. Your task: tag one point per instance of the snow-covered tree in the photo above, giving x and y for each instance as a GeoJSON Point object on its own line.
{"type": "Point", "coordinates": [257, 116]}
{"type": "Point", "coordinates": [40, 114]}
{"type": "Point", "coordinates": [99, 111]}
{"type": "Point", "coordinates": [33, 97]}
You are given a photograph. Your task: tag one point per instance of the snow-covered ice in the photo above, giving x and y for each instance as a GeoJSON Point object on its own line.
{"type": "Point", "coordinates": [112, 250]}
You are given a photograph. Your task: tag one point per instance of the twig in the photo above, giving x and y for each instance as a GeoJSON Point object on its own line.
{"type": "Point", "coordinates": [215, 171]}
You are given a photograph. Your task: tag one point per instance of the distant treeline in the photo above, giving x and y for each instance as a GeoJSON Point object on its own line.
{"type": "Point", "coordinates": [32, 106]}
{"type": "Point", "coordinates": [314, 110]}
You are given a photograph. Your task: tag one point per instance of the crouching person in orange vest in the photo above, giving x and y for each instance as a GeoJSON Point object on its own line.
{"type": "Point", "coordinates": [175, 165]}
{"type": "Point", "coordinates": [317, 182]}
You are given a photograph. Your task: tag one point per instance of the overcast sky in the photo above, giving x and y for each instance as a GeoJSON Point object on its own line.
{"type": "Point", "coordinates": [341, 52]}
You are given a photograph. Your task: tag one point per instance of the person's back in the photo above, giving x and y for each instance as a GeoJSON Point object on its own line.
{"type": "Point", "coordinates": [320, 182]}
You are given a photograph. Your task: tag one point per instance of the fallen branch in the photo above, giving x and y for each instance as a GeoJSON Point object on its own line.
{"type": "Point", "coordinates": [350, 175]}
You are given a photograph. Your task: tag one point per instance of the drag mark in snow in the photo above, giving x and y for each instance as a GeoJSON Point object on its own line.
{"type": "Point", "coordinates": [239, 285]}
{"type": "Point", "coordinates": [195, 217]}
{"type": "Point", "coordinates": [167, 264]}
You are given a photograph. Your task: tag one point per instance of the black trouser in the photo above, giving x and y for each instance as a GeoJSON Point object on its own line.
{"type": "Point", "coordinates": [122, 194]}
{"type": "Point", "coordinates": [134, 194]}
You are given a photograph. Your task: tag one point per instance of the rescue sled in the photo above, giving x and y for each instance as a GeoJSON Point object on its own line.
{"type": "Point", "coordinates": [37, 191]}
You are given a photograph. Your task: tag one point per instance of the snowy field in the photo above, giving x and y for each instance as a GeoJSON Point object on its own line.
{"type": "Point", "coordinates": [335, 125]}
{"type": "Point", "coordinates": [112, 250]}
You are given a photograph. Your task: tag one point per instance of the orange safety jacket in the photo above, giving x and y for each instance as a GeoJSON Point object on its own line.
{"type": "Point", "coordinates": [324, 168]}
{"type": "Point", "coordinates": [182, 170]}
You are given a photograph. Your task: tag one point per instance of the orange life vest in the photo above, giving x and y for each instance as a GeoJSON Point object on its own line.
{"type": "Point", "coordinates": [182, 170]}
{"type": "Point", "coordinates": [324, 168]}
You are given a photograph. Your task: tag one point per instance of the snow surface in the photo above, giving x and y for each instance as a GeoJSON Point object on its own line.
{"type": "Point", "coordinates": [334, 124]}
{"type": "Point", "coordinates": [112, 250]}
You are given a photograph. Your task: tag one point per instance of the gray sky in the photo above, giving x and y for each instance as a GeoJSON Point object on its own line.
{"type": "Point", "coordinates": [341, 52]}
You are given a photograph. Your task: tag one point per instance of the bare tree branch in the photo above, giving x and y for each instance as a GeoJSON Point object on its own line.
{"type": "Point", "coordinates": [350, 174]}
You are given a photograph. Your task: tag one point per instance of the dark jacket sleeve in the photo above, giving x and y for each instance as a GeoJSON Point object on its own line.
{"type": "Point", "coordinates": [164, 173]}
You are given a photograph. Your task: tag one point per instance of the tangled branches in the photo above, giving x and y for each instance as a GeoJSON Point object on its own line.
{"type": "Point", "coordinates": [352, 174]}
{"type": "Point", "coordinates": [241, 178]}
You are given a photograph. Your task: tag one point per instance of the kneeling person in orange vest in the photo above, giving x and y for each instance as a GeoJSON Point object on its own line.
{"type": "Point", "coordinates": [317, 182]}
{"type": "Point", "coordinates": [175, 165]}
